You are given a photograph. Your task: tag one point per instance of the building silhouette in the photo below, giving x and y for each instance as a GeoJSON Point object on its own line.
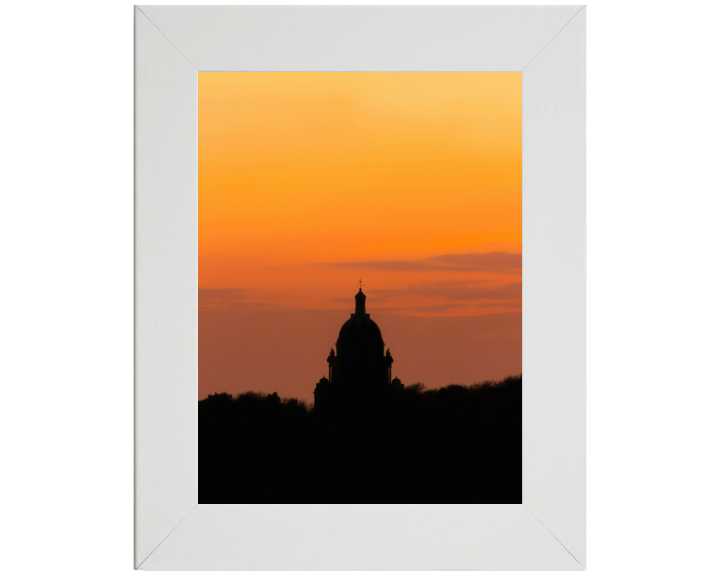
{"type": "Point", "coordinates": [361, 366]}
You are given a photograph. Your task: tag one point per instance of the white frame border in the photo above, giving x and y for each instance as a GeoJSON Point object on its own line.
{"type": "Point", "coordinates": [546, 44]}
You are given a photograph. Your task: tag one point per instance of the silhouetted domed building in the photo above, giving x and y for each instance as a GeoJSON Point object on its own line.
{"type": "Point", "coordinates": [361, 362]}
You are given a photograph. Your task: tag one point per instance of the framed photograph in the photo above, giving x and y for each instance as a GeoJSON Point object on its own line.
{"type": "Point", "coordinates": [315, 186]}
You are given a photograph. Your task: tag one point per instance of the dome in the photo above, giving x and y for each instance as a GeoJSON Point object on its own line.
{"type": "Point", "coordinates": [358, 329]}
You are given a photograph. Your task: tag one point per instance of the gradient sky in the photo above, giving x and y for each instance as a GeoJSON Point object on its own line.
{"type": "Point", "coordinates": [310, 181]}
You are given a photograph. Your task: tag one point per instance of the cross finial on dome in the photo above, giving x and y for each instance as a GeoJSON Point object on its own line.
{"type": "Point", "coordinates": [360, 284]}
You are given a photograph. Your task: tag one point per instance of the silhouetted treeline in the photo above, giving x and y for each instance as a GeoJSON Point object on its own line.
{"type": "Point", "coordinates": [457, 444]}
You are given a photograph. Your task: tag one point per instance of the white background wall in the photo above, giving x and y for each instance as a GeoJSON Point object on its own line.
{"type": "Point", "coordinates": [66, 290]}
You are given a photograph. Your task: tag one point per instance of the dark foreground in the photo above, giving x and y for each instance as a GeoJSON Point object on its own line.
{"type": "Point", "coordinates": [459, 444]}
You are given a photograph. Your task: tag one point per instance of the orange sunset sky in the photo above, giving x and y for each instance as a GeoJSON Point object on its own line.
{"type": "Point", "coordinates": [310, 181]}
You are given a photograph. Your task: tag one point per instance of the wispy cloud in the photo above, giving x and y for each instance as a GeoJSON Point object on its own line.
{"type": "Point", "coordinates": [434, 309]}
{"type": "Point", "coordinates": [240, 298]}
{"type": "Point", "coordinates": [456, 292]}
{"type": "Point", "coordinates": [211, 297]}
{"type": "Point", "coordinates": [500, 262]}
{"type": "Point", "coordinates": [443, 309]}
{"type": "Point", "coordinates": [512, 305]}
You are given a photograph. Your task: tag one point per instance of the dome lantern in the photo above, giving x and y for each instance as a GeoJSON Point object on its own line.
{"type": "Point", "coordinates": [360, 302]}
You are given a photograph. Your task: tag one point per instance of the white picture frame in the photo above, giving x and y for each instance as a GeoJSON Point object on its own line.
{"type": "Point", "coordinates": [545, 532]}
